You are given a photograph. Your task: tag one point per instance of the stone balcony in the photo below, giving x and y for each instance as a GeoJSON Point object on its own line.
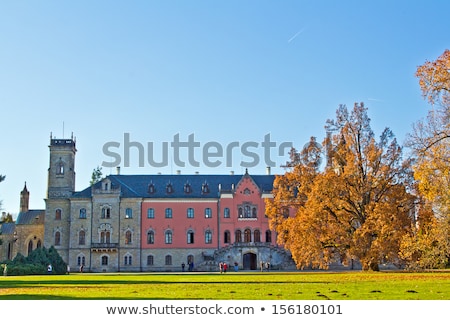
{"type": "Point", "coordinates": [104, 247]}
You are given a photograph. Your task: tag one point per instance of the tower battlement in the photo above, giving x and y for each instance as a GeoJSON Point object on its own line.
{"type": "Point", "coordinates": [62, 142]}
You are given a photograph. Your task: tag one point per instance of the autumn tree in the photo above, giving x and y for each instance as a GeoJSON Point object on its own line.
{"type": "Point", "coordinates": [430, 138]}
{"type": "Point", "coordinates": [428, 246]}
{"type": "Point", "coordinates": [357, 208]}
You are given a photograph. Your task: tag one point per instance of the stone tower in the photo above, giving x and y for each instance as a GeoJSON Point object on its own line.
{"type": "Point", "coordinates": [24, 199]}
{"type": "Point", "coordinates": [60, 187]}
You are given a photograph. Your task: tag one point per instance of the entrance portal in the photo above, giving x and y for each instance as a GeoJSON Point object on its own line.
{"type": "Point", "coordinates": [249, 261]}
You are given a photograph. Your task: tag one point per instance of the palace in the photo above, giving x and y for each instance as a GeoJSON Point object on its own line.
{"type": "Point", "coordinates": [143, 223]}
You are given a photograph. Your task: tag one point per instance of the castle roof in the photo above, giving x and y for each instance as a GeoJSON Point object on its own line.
{"type": "Point", "coordinates": [31, 217]}
{"type": "Point", "coordinates": [176, 186]}
{"type": "Point", "coordinates": [7, 228]}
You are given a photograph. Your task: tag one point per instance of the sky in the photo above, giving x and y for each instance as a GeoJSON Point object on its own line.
{"type": "Point", "coordinates": [214, 75]}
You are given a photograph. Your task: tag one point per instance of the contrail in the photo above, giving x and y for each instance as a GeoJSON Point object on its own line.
{"type": "Point", "coordinates": [295, 35]}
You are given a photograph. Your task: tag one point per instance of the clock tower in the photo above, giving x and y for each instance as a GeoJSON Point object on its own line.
{"type": "Point", "coordinates": [60, 187]}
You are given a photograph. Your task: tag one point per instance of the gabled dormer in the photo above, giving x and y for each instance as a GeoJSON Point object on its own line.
{"type": "Point", "coordinates": [247, 186]}
{"type": "Point", "coordinates": [105, 186]}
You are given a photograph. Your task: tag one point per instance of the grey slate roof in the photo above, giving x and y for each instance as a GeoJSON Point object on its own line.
{"type": "Point", "coordinates": [7, 228]}
{"type": "Point", "coordinates": [31, 217]}
{"type": "Point", "coordinates": [137, 186]}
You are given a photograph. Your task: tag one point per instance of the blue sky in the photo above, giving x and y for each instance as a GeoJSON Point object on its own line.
{"type": "Point", "coordinates": [224, 71]}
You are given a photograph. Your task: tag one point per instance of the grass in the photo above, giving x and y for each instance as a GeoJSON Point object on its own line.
{"type": "Point", "coordinates": [236, 286]}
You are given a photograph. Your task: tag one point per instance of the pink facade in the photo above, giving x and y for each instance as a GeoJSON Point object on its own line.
{"type": "Point", "coordinates": [247, 221]}
{"type": "Point", "coordinates": [237, 215]}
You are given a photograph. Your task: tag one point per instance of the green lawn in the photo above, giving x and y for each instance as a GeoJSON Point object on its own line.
{"type": "Point", "coordinates": [240, 286]}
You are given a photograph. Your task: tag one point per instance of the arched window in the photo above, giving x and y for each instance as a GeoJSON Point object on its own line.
{"type": "Point", "coordinates": [58, 214]}
{"type": "Point", "coordinates": [240, 212]}
{"type": "Point", "coordinates": [39, 244]}
{"type": "Point", "coordinates": [257, 236]}
{"type": "Point", "coordinates": [208, 236]}
{"type": "Point", "coordinates": [150, 260]}
{"type": "Point", "coordinates": [254, 212]}
{"type": "Point", "coordinates": [82, 237]}
{"type": "Point", "coordinates": [226, 237]}
{"type": "Point", "coordinates": [128, 237]}
{"type": "Point", "coordinates": [30, 246]}
{"type": "Point", "coordinates": [9, 251]}
{"type": "Point", "coordinates": [127, 260]}
{"type": "Point", "coordinates": [247, 211]}
{"type": "Point", "coordinates": [168, 237]}
{"type": "Point", "coordinates": [190, 237]}
{"type": "Point", "coordinates": [105, 237]}
{"type": "Point", "coordinates": [81, 260]}
{"type": "Point", "coordinates": [238, 236]}
{"type": "Point", "coordinates": [104, 260]}
{"type": "Point", "coordinates": [268, 236]}
{"type": "Point", "coordinates": [247, 235]}
{"type": "Point", "coordinates": [60, 167]}
{"type": "Point", "coordinates": [57, 238]}
{"type": "Point", "coordinates": [150, 237]}
{"type": "Point", "coordinates": [106, 213]}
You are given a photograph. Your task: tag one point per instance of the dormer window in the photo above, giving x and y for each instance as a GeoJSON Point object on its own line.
{"type": "Point", "coordinates": [151, 188]}
{"type": "Point", "coordinates": [169, 188]}
{"type": "Point", "coordinates": [205, 187]}
{"type": "Point", "coordinates": [187, 188]}
{"type": "Point", "coordinates": [106, 185]}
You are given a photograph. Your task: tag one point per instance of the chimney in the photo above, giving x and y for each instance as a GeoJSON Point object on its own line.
{"type": "Point", "coordinates": [178, 171]}
{"type": "Point", "coordinates": [268, 171]}
{"type": "Point", "coordinates": [118, 170]}
{"type": "Point", "coordinates": [231, 173]}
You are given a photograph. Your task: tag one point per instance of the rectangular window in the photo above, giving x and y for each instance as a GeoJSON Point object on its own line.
{"type": "Point", "coordinates": [168, 237]}
{"type": "Point", "coordinates": [150, 213]}
{"type": "Point", "coordinates": [208, 213]}
{"type": "Point", "coordinates": [190, 237]}
{"type": "Point", "coordinates": [168, 213]}
{"type": "Point", "coordinates": [190, 213]}
{"type": "Point", "coordinates": [128, 213]}
{"type": "Point", "coordinates": [208, 237]}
